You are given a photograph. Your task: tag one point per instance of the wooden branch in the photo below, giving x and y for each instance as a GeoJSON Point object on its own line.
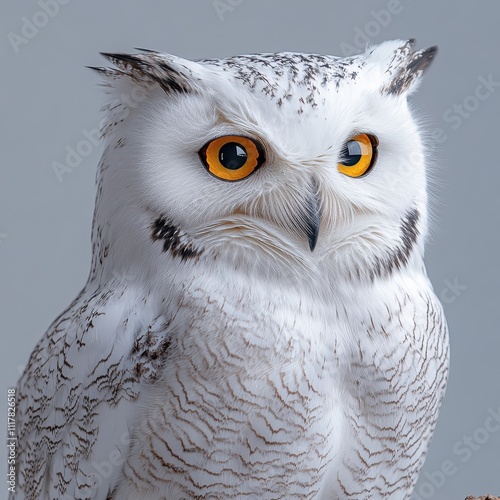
{"type": "Point", "coordinates": [487, 497]}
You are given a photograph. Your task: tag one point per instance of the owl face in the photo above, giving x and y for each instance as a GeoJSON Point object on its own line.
{"type": "Point", "coordinates": [286, 156]}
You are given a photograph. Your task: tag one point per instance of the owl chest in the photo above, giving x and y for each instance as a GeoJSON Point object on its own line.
{"type": "Point", "coordinates": [259, 346]}
{"type": "Point", "coordinates": [283, 346]}
{"type": "Point", "coordinates": [271, 387]}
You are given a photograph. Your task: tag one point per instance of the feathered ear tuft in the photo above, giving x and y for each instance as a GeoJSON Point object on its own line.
{"type": "Point", "coordinates": [106, 72]}
{"type": "Point", "coordinates": [147, 51]}
{"type": "Point", "coordinates": [171, 73]}
{"type": "Point", "coordinates": [135, 75]}
{"type": "Point", "coordinates": [404, 65]}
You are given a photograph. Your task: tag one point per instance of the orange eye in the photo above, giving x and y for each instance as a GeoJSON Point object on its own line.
{"type": "Point", "coordinates": [358, 155]}
{"type": "Point", "coordinates": [232, 157]}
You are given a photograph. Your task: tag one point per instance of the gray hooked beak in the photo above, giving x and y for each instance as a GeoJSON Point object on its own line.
{"type": "Point", "coordinates": [312, 219]}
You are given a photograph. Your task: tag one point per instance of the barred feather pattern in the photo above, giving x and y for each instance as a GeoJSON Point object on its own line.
{"type": "Point", "coordinates": [288, 410]}
{"type": "Point", "coordinates": [290, 404]}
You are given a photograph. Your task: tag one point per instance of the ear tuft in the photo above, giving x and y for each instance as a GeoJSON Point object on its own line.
{"type": "Point", "coordinates": [147, 51]}
{"type": "Point", "coordinates": [167, 71]}
{"type": "Point", "coordinates": [406, 68]}
{"type": "Point", "coordinates": [134, 75]}
{"type": "Point", "coordinates": [107, 72]}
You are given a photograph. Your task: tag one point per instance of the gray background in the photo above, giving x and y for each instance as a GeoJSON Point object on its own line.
{"type": "Point", "coordinates": [48, 101]}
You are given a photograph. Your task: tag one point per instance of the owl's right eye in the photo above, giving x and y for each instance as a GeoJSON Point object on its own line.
{"type": "Point", "coordinates": [358, 155]}
{"type": "Point", "coordinates": [232, 157]}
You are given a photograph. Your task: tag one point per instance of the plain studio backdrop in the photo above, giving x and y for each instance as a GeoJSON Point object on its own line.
{"type": "Point", "coordinates": [50, 113]}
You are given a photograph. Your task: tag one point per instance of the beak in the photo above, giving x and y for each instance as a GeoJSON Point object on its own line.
{"type": "Point", "coordinates": [313, 219]}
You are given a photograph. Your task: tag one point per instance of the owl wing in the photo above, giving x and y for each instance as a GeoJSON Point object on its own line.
{"type": "Point", "coordinates": [78, 396]}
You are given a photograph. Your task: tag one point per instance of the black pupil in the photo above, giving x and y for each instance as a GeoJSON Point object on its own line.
{"type": "Point", "coordinates": [232, 156]}
{"type": "Point", "coordinates": [351, 153]}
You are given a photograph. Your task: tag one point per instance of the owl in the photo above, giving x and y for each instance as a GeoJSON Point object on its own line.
{"type": "Point", "coordinates": [257, 322]}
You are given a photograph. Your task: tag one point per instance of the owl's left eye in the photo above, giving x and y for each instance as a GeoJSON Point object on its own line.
{"type": "Point", "coordinates": [358, 155]}
{"type": "Point", "coordinates": [232, 157]}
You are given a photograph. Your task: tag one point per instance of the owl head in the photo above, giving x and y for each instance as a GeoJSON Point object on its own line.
{"type": "Point", "coordinates": [267, 162]}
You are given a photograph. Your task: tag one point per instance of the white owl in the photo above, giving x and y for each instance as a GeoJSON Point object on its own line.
{"type": "Point", "coordinates": [257, 322]}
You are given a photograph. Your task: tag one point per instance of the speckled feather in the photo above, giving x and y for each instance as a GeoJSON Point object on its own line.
{"type": "Point", "coordinates": [211, 353]}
